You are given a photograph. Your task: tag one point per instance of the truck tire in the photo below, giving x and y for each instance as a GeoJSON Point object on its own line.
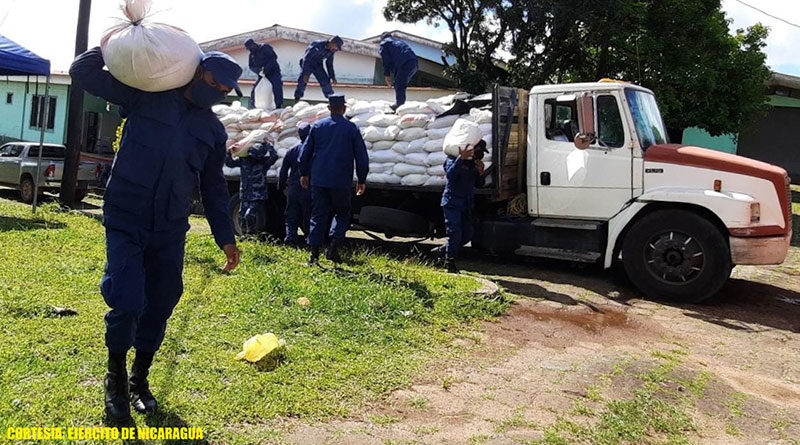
{"type": "Point", "coordinates": [393, 222]}
{"type": "Point", "coordinates": [80, 194]}
{"type": "Point", "coordinates": [26, 189]}
{"type": "Point", "coordinates": [269, 220]}
{"type": "Point", "coordinates": [676, 256]}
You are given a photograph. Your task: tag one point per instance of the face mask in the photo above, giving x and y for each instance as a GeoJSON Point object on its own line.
{"type": "Point", "coordinates": [478, 155]}
{"type": "Point", "coordinates": [204, 95]}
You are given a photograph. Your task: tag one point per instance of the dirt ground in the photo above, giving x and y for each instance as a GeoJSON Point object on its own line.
{"type": "Point", "coordinates": [576, 340]}
{"type": "Point", "coordinates": [577, 337]}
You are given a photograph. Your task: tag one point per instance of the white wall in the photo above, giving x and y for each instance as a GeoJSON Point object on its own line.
{"type": "Point", "coordinates": [349, 67]}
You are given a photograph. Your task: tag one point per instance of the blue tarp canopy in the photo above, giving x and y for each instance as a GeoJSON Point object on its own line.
{"type": "Point", "coordinates": [15, 60]}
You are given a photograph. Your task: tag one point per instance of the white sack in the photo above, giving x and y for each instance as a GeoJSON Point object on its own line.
{"type": "Point", "coordinates": [383, 145]}
{"type": "Point", "coordinates": [296, 108]}
{"type": "Point", "coordinates": [414, 108]}
{"type": "Point", "coordinates": [263, 96]}
{"type": "Point", "coordinates": [288, 143]}
{"type": "Point", "coordinates": [393, 179]}
{"type": "Point", "coordinates": [420, 159]}
{"type": "Point", "coordinates": [436, 107]}
{"type": "Point", "coordinates": [435, 181]}
{"type": "Point", "coordinates": [146, 55]}
{"type": "Point", "coordinates": [485, 129]}
{"type": "Point", "coordinates": [385, 156]}
{"type": "Point", "coordinates": [434, 145]}
{"type": "Point", "coordinates": [464, 133]}
{"type": "Point", "coordinates": [381, 167]}
{"type": "Point", "coordinates": [400, 147]}
{"type": "Point", "coordinates": [403, 169]}
{"type": "Point", "coordinates": [383, 120]}
{"type": "Point", "coordinates": [414, 180]}
{"type": "Point", "coordinates": [361, 120]}
{"type": "Point", "coordinates": [409, 134]}
{"type": "Point", "coordinates": [436, 170]}
{"type": "Point", "coordinates": [414, 120]}
{"type": "Point", "coordinates": [438, 133]}
{"type": "Point", "coordinates": [443, 122]}
{"type": "Point", "coordinates": [480, 116]}
{"type": "Point", "coordinates": [417, 145]}
{"type": "Point", "coordinates": [377, 178]}
{"type": "Point", "coordinates": [437, 158]}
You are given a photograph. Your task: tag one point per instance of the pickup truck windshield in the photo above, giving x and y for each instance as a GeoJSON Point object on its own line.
{"type": "Point", "coordinates": [646, 117]}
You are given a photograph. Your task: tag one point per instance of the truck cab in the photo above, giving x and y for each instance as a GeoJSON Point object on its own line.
{"type": "Point", "coordinates": [602, 183]}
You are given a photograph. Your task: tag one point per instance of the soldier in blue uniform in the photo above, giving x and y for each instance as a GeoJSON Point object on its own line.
{"type": "Point", "coordinates": [333, 146]}
{"type": "Point", "coordinates": [400, 61]}
{"type": "Point", "coordinates": [311, 63]}
{"type": "Point", "coordinates": [252, 183]}
{"type": "Point", "coordinates": [298, 199]}
{"type": "Point", "coordinates": [172, 143]}
{"type": "Point", "coordinates": [264, 61]}
{"type": "Point", "coordinates": [463, 174]}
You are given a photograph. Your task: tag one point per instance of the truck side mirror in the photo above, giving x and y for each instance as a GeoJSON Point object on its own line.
{"type": "Point", "coordinates": [586, 135]}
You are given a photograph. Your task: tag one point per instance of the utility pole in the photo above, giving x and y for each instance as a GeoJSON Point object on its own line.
{"type": "Point", "coordinates": [75, 114]}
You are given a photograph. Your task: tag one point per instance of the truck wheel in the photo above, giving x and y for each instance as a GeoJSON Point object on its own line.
{"type": "Point", "coordinates": [393, 222]}
{"type": "Point", "coordinates": [233, 211]}
{"type": "Point", "coordinates": [676, 255]}
{"type": "Point", "coordinates": [26, 189]}
{"type": "Point", "coordinates": [80, 194]}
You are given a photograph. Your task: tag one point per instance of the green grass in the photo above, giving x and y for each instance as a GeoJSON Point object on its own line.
{"type": "Point", "coordinates": [653, 414]}
{"type": "Point", "coordinates": [368, 329]}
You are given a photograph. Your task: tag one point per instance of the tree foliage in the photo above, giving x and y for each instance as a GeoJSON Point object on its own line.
{"type": "Point", "coordinates": [702, 74]}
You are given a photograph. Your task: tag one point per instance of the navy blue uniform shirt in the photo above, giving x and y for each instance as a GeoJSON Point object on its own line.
{"type": "Point", "coordinates": [168, 148]}
{"type": "Point", "coordinates": [394, 54]}
{"type": "Point", "coordinates": [263, 59]}
{"type": "Point", "coordinates": [462, 178]}
{"type": "Point", "coordinates": [316, 52]}
{"type": "Point", "coordinates": [333, 145]}
{"type": "Point", "coordinates": [253, 171]}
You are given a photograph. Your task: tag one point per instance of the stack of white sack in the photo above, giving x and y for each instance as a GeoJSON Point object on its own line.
{"type": "Point", "coordinates": [146, 55]}
{"type": "Point", "coordinates": [407, 148]}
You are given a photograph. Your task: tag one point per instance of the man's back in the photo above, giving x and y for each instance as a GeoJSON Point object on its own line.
{"type": "Point", "coordinates": [333, 146]}
{"type": "Point", "coordinates": [397, 51]}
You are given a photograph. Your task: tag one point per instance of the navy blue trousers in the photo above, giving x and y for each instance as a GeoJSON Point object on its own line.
{"type": "Point", "coordinates": [142, 285]}
{"type": "Point", "coordinates": [458, 222]}
{"type": "Point", "coordinates": [402, 78]}
{"type": "Point", "coordinates": [248, 216]}
{"type": "Point", "coordinates": [277, 88]}
{"type": "Point", "coordinates": [327, 202]}
{"type": "Point", "coordinates": [298, 214]}
{"type": "Point", "coordinates": [322, 77]}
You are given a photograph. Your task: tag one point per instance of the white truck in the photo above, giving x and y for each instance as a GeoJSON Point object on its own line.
{"type": "Point", "coordinates": [18, 162]}
{"type": "Point", "coordinates": [602, 184]}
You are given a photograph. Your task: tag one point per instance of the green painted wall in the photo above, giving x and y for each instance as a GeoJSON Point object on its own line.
{"type": "Point", "coordinates": [783, 101]}
{"type": "Point", "coordinates": [15, 118]}
{"type": "Point", "coordinates": [701, 138]}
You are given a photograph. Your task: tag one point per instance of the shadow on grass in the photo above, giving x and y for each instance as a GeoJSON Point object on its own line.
{"type": "Point", "coordinates": [420, 290]}
{"type": "Point", "coordinates": [8, 224]}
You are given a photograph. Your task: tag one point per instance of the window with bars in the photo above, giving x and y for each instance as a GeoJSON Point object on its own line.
{"type": "Point", "coordinates": [43, 114]}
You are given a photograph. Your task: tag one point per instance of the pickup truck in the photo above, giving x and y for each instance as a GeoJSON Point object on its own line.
{"type": "Point", "coordinates": [18, 169]}
{"type": "Point", "coordinates": [601, 184]}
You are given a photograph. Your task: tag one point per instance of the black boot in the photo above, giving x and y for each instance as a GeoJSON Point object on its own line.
{"type": "Point", "coordinates": [116, 388]}
{"type": "Point", "coordinates": [451, 266]}
{"type": "Point", "coordinates": [141, 397]}
{"type": "Point", "coordinates": [314, 260]}
{"type": "Point", "coordinates": [333, 253]}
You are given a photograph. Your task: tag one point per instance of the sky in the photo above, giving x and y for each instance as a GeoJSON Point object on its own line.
{"type": "Point", "coordinates": [47, 27]}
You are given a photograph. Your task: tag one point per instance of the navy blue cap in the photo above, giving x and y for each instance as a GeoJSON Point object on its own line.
{"type": "Point", "coordinates": [249, 42]}
{"type": "Point", "coordinates": [302, 130]}
{"type": "Point", "coordinates": [336, 100]}
{"type": "Point", "coordinates": [225, 70]}
{"type": "Point", "coordinates": [338, 41]}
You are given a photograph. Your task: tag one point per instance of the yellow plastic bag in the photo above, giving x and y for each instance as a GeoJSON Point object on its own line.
{"type": "Point", "coordinates": [260, 346]}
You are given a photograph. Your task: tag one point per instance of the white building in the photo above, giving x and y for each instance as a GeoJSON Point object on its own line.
{"type": "Point", "coordinates": [358, 66]}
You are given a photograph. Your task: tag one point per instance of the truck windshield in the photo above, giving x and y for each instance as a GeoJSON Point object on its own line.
{"type": "Point", "coordinates": [646, 117]}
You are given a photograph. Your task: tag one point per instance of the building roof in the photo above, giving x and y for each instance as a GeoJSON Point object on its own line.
{"type": "Point", "coordinates": [277, 32]}
{"type": "Point", "coordinates": [785, 80]}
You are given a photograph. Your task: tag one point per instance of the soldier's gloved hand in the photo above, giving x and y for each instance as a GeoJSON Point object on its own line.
{"type": "Point", "coordinates": [232, 256]}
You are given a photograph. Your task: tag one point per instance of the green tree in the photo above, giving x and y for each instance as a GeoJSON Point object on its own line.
{"type": "Point", "coordinates": [702, 74]}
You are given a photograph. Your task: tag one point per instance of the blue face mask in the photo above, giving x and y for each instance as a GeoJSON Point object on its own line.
{"type": "Point", "coordinates": [204, 95]}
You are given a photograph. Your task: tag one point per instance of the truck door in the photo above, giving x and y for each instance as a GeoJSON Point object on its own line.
{"type": "Point", "coordinates": [590, 184]}
{"type": "Point", "coordinates": [9, 163]}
